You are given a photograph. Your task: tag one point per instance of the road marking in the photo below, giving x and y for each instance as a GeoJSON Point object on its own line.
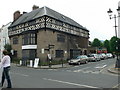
{"type": "Point", "coordinates": [95, 72]}
{"type": "Point", "coordinates": [116, 86]}
{"type": "Point", "coordinates": [76, 66]}
{"type": "Point", "coordinates": [87, 71]}
{"type": "Point", "coordinates": [101, 66]}
{"type": "Point", "coordinates": [77, 70]}
{"type": "Point", "coordinates": [20, 74]}
{"type": "Point", "coordinates": [70, 83]}
{"type": "Point", "coordinates": [68, 70]}
{"type": "Point", "coordinates": [81, 69]}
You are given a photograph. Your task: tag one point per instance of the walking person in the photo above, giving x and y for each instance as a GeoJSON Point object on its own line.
{"type": "Point", "coordinates": [5, 64]}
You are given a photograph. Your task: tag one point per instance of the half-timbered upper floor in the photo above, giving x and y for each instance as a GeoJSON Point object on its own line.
{"type": "Point", "coordinates": [46, 18]}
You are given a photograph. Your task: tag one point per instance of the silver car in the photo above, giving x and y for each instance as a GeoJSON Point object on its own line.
{"type": "Point", "coordinates": [109, 55]}
{"type": "Point", "coordinates": [94, 57]}
{"type": "Point", "coordinates": [102, 56]}
{"type": "Point", "coordinates": [78, 60]}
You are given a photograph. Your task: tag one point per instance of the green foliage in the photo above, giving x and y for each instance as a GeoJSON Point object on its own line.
{"type": "Point", "coordinates": [118, 45]}
{"type": "Point", "coordinates": [8, 47]}
{"type": "Point", "coordinates": [53, 62]}
{"type": "Point", "coordinates": [109, 44]}
{"type": "Point", "coordinates": [106, 44]}
{"type": "Point", "coordinates": [15, 60]}
{"type": "Point", "coordinates": [113, 44]}
{"type": "Point", "coordinates": [97, 43]}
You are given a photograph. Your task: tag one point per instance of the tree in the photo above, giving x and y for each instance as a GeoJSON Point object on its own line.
{"type": "Point", "coordinates": [8, 48]}
{"type": "Point", "coordinates": [113, 44]}
{"type": "Point", "coordinates": [106, 44]}
{"type": "Point", "coordinates": [96, 43]}
{"type": "Point", "coordinates": [118, 45]}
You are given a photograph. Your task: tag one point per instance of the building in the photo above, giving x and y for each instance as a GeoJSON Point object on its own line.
{"type": "Point", "coordinates": [4, 39]}
{"type": "Point", "coordinates": [44, 32]}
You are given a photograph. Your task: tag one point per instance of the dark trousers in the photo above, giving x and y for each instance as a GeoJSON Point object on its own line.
{"type": "Point", "coordinates": [5, 75]}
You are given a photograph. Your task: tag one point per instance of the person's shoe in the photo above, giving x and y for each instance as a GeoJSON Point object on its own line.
{"type": "Point", "coordinates": [9, 87]}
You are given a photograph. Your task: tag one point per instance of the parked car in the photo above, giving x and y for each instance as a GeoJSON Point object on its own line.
{"type": "Point", "coordinates": [109, 55]}
{"type": "Point", "coordinates": [102, 56]}
{"type": "Point", "coordinates": [94, 57]}
{"type": "Point", "coordinates": [78, 60]}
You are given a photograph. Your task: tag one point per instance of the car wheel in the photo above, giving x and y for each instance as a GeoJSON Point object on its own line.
{"type": "Point", "coordinates": [79, 63]}
{"type": "Point", "coordinates": [86, 62]}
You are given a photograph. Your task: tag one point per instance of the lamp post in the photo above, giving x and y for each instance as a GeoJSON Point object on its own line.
{"type": "Point", "coordinates": [117, 65]}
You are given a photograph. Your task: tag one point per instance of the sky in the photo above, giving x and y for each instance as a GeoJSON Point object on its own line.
{"type": "Point", "coordinates": [91, 14]}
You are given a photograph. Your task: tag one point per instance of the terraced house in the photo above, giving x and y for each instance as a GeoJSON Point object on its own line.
{"type": "Point", "coordinates": [44, 32]}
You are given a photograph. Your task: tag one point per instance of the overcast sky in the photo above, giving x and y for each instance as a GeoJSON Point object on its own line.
{"type": "Point", "coordinates": [91, 14]}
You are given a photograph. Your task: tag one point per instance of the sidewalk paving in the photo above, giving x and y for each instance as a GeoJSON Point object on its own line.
{"type": "Point", "coordinates": [47, 67]}
{"type": "Point", "coordinates": [114, 70]}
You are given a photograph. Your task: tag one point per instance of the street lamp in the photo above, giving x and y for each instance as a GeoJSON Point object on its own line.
{"type": "Point", "coordinates": [115, 17]}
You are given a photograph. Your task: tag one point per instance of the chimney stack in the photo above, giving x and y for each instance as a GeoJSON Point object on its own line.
{"type": "Point", "coordinates": [35, 7]}
{"type": "Point", "coordinates": [16, 15]}
{"type": "Point", "coordinates": [24, 12]}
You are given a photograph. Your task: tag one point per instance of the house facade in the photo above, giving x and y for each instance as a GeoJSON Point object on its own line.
{"type": "Point", "coordinates": [44, 32]}
{"type": "Point", "coordinates": [4, 39]}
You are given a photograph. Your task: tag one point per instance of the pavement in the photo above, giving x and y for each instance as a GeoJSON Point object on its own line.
{"type": "Point", "coordinates": [48, 67]}
{"type": "Point", "coordinates": [114, 70]}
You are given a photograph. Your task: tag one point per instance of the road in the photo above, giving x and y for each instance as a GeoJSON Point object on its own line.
{"type": "Point", "coordinates": [91, 75]}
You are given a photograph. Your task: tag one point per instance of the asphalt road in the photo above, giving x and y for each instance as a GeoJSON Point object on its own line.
{"type": "Point", "coordinates": [91, 75]}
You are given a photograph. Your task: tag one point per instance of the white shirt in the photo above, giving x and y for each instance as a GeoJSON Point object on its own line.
{"type": "Point", "coordinates": [5, 62]}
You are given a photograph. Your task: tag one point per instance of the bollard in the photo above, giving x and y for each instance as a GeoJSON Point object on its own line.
{"type": "Point", "coordinates": [20, 62]}
{"type": "Point", "coordinates": [36, 62]}
{"type": "Point", "coordinates": [31, 63]}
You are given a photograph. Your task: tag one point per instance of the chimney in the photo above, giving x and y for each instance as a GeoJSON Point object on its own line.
{"type": "Point", "coordinates": [24, 12]}
{"type": "Point", "coordinates": [35, 7]}
{"type": "Point", "coordinates": [16, 15]}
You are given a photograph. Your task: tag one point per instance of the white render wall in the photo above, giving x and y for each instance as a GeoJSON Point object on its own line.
{"type": "Point", "coordinates": [4, 39]}
{"type": "Point", "coordinates": [119, 21]}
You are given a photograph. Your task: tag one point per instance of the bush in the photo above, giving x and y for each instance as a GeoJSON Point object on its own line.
{"type": "Point", "coordinates": [15, 60]}
{"type": "Point", "coordinates": [53, 62]}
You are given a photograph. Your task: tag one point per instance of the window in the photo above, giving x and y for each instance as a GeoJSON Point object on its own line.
{"type": "Point", "coordinates": [28, 54]}
{"type": "Point", "coordinates": [60, 38]}
{"type": "Point", "coordinates": [59, 53]}
{"type": "Point", "coordinates": [15, 40]}
{"type": "Point", "coordinates": [29, 39]}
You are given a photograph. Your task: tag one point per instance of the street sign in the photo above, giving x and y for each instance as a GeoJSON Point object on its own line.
{"type": "Point", "coordinates": [36, 62]}
{"type": "Point", "coordinates": [49, 56]}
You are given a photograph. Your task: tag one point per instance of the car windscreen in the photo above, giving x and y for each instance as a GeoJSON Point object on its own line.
{"type": "Point", "coordinates": [78, 57]}
{"type": "Point", "coordinates": [90, 55]}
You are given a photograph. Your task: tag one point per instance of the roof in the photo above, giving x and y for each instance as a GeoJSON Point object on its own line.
{"type": "Point", "coordinates": [42, 12]}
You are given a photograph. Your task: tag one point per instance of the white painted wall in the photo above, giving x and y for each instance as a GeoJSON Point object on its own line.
{"type": "Point", "coordinates": [4, 39]}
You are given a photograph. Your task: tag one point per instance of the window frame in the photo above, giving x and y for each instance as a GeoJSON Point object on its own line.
{"type": "Point", "coordinates": [29, 39]}
{"type": "Point", "coordinates": [15, 40]}
{"type": "Point", "coordinates": [60, 38]}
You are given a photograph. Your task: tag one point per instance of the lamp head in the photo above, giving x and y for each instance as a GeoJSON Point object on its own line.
{"type": "Point", "coordinates": [109, 12]}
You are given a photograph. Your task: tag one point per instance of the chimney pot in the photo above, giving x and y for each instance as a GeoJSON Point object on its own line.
{"type": "Point", "coordinates": [16, 15]}
{"type": "Point", "coordinates": [35, 7]}
{"type": "Point", "coordinates": [24, 12]}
